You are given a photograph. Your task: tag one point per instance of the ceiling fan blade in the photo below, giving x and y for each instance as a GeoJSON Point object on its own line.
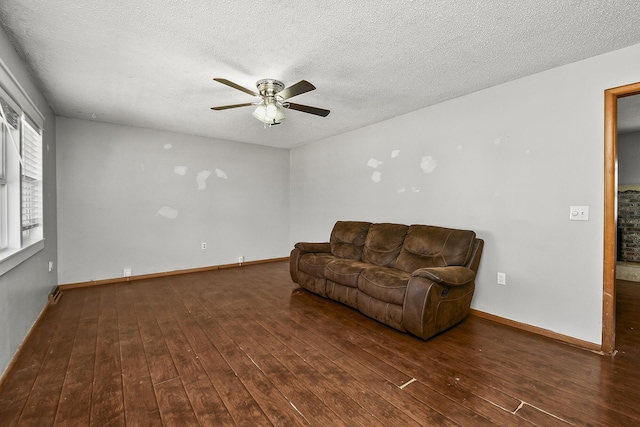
{"type": "Point", "coordinates": [296, 89]}
{"type": "Point", "coordinates": [226, 107]}
{"type": "Point", "coordinates": [235, 86]}
{"type": "Point", "coordinates": [307, 109]}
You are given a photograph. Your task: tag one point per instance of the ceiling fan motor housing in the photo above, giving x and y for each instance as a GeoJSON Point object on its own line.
{"type": "Point", "coordinates": [269, 87]}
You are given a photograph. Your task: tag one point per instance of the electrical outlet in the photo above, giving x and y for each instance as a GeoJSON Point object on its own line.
{"type": "Point", "coordinates": [502, 279]}
{"type": "Point", "coordinates": [50, 266]}
{"type": "Point", "coordinates": [126, 272]}
{"type": "Point", "coordinates": [204, 245]}
{"type": "Point", "coordinates": [240, 259]}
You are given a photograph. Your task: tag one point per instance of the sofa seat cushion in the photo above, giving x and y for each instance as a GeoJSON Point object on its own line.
{"type": "Point", "coordinates": [384, 284]}
{"type": "Point", "coordinates": [429, 246]}
{"type": "Point", "coordinates": [347, 239]}
{"type": "Point", "coordinates": [345, 271]}
{"type": "Point", "coordinates": [383, 244]}
{"type": "Point", "coordinates": [314, 263]}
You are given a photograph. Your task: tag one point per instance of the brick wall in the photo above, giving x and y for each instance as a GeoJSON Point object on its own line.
{"type": "Point", "coordinates": [629, 226]}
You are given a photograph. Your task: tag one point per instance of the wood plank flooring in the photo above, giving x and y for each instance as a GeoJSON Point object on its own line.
{"type": "Point", "coordinates": [247, 347]}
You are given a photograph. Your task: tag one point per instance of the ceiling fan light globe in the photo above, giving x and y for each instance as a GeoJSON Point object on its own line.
{"type": "Point", "coordinates": [271, 111]}
{"type": "Point", "coordinates": [279, 116]}
{"type": "Point", "coordinates": [260, 113]}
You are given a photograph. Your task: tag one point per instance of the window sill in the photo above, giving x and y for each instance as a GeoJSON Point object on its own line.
{"type": "Point", "coordinates": [10, 258]}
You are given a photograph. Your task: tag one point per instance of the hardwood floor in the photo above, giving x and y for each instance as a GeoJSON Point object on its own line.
{"type": "Point", "coordinates": [246, 347]}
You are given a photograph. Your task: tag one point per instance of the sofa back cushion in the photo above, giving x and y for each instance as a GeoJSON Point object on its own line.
{"type": "Point", "coordinates": [383, 244]}
{"type": "Point", "coordinates": [347, 239]}
{"type": "Point", "coordinates": [428, 246]}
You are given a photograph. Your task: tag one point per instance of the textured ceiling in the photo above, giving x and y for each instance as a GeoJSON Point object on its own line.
{"type": "Point", "coordinates": [151, 63]}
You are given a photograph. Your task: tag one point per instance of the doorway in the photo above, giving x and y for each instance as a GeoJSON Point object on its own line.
{"type": "Point", "coordinates": [611, 97]}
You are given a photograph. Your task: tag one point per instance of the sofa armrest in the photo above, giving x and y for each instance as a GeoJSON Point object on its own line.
{"type": "Point", "coordinates": [302, 248]}
{"type": "Point", "coordinates": [436, 299]}
{"type": "Point", "coordinates": [324, 247]}
{"type": "Point", "coordinates": [448, 276]}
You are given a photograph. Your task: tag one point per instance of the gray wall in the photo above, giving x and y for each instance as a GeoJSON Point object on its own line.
{"type": "Point", "coordinates": [507, 162]}
{"type": "Point", "coordinates": [25, 288]}
{"type": "Point", "coordinates": [629, 158]}
{"type": "Point", "coordinates": [146, 200]}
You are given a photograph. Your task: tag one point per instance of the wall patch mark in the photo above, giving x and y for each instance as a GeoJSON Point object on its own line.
{"type": "Point", "coordinates": [395, 153]}
{"type": "Point", "coordinates": [376, 176]}
{"type": "Point", "coordinates": [180, 170]}
{"type": "Point", "coordinates": [428, 164]}
{"type": "Point", "coordinates": [373, 163]}
{"type": "Point", "coordinates": [221, 174]}
{"type": "Point", "coordinates": [201, 179]}
{"type": "Point", "coordinates": [168, 146]}
{"type": "Point", "coordinates": [168, 212]}
{"type": "Point", "coordinates": [499, 140]}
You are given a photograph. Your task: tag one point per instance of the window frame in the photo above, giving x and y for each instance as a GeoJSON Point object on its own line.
{"type": "Point", "coordinates": [14, 249]}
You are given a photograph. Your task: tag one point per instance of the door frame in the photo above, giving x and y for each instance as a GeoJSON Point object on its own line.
{"type": "Point", "coordinates": [611, 211]}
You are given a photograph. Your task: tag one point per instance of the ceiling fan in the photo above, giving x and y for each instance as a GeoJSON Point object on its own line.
{"type": "Point", "coordinates": [273, 96]}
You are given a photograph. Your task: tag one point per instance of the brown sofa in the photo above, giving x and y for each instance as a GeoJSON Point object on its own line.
{"type": "Point", "coordinates": [417, 278]}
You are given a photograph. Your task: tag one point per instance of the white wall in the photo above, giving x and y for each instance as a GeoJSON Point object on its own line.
{"type": "Point", "coordinates": [629, 158]}
{"type": "Point", "coordinates": [506, 162]}
{"type": "Point", "coordinates": [25, 288]}
{"type": "Point", "coordinates": [146, 200]}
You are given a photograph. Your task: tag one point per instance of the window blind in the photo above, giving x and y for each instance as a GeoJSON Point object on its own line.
{"type": "Point", "coordinates": [31, 178]}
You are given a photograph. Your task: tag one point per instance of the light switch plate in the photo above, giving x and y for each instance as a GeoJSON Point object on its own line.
{"type": "Point", "coordinates": [579, 213]}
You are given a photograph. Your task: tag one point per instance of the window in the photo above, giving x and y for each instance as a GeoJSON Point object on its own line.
{"type": "Point", "coordinates": [21, 202]}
